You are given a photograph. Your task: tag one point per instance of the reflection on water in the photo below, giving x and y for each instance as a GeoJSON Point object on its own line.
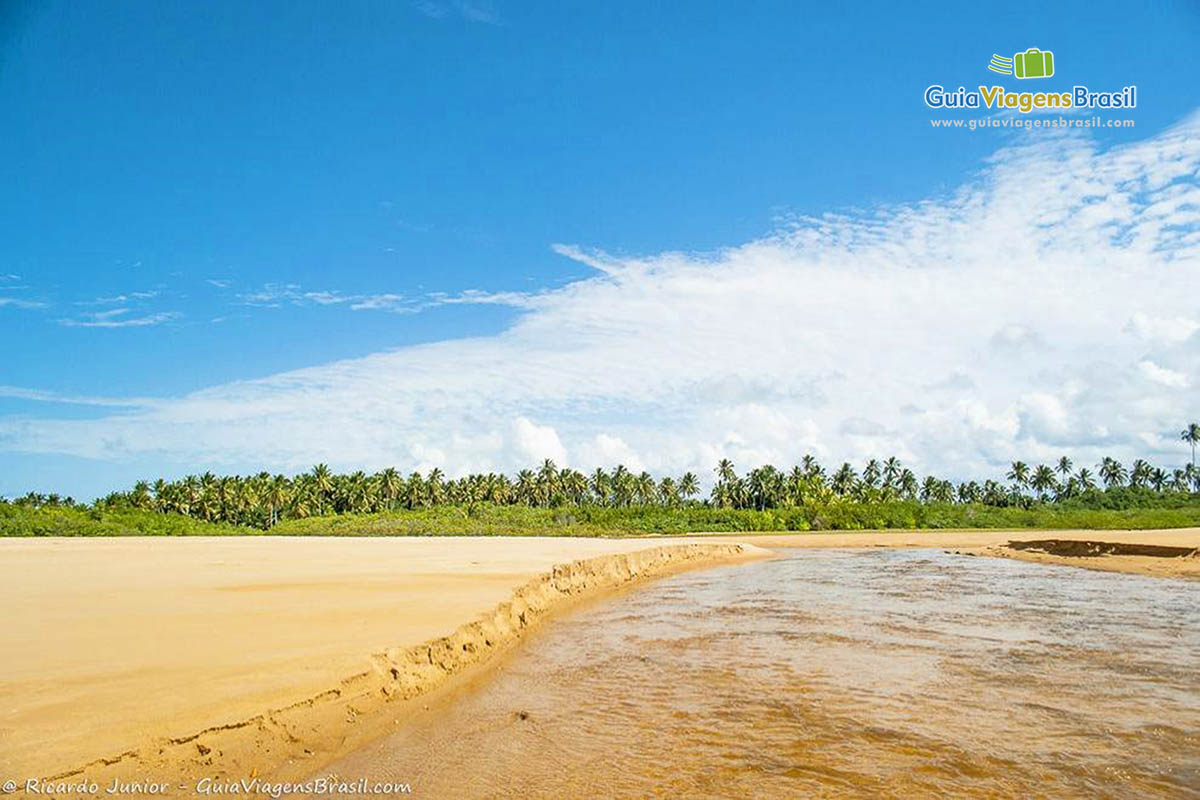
{"type": "Point", "coordinates": [897, 673]}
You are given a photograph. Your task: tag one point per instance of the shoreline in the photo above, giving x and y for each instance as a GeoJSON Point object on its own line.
{"type": "Point", "coordinates": [290, 739]}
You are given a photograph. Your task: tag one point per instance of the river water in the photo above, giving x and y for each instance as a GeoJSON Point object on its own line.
{"type": "Point", "coordinates": [849, 673]}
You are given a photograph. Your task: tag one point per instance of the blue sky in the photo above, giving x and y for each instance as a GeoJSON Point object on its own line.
{"type": "Point", "coordinates": [198, 194]}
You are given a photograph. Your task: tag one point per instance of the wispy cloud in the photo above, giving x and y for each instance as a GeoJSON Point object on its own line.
{"type": "Point", "coordinates": [219, 283]}
{"type": "Point", "coordinates": [1045, 307]}
{"type": "Point", "coordinates": [131, 297]}
{"type": "Point", "coordinates": [41, 396]}
{"type": "Point", "coordinates": [118, 318]}
{"type": "Point", "coordinates": [279, 295]}
{"type": "Point", "coordinates": [275, 295]}
{"type": "Point", "coordinates": [17, 302]}
{"type": "Point", "coordinates": [478, 297]}
{"type": "Point", "coordinates": [380, 302]}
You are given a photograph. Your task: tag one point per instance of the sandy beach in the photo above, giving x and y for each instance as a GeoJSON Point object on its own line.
{"type": "Point", "coordinates": [175, 657]}
{"type": "Point", "coordinates": [143, 657]}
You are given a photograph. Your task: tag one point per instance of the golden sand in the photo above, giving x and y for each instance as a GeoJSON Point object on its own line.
{"type": "Point", "coordinates": [145, 657]}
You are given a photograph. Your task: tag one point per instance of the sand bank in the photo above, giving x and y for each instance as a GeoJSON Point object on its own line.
{"type": "Point", "coordinates": [1161, 553]}
{"type": "Point", "coordinates": [951, 538]}
{"type": "Point", "coordinates": [1158, 559]}
{"type": "Point", "coordinates": [174, 658]}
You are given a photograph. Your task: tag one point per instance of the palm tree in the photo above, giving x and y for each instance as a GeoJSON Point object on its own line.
{"type": "Point", "coordinates": [390, 486]}
{"type": "Point", "coordinates": [994, 494]}
{"type": "Point", "coordinates": [547, 477]}
{"type": "Point", "coordinates": [891, 470]}
{"type": "Point", "coordinates": [1112, 472]}
{"type": "Point", "coordinates": [321, 478]}
{"type": "Point", "coordinates": [1085, 480]}
{"type": "Point", "coordinates": [1181, 479]}
{"type": "Point", "coordinates": [525, 488]}
{"type": "Point", "coordinates": [645, 488]}
{"type": "Point", "coordinates": [414, 495]}
{"type": "Point", "coordinates": [1043, 480]}
{"type": "Point", "coordinates": [140, 496]}
{"type": "Point", "coordinates": [689, 486]}
{"type": "Point", "coordinates": [1193, 476]}
{"type": "Point", "coordinates": [600, 485]}
{"type": "Point", "coordinates": [622, 486]}
{"type": "Point", "coordinates": [1064, 467]}
{"type": "Point", "coordinates": [434, 488]}
{"type": "Point", "coordinates": [870, 475]}
{"type": "Point", "coordinates": [1019, 474]}
{"type": "Point", "coordinates": [929, 488]}
{"type": "Point", "coordinates": [277, 497]}
{"type": "Point", "coordinates": [1139, 475]}
{"type": "Point", "coordinates": [844, 479]}
{"type": "Point", "coordinates": [1191, 435]}
{"type": "Point", "coordinates": [723, 492]}
{"type": "Point", "coordinates": [668, 491]}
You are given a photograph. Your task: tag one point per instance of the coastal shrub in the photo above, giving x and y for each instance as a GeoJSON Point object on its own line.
{"type": "Point", "coordinates": [16, 520]}
{"type": "Point", "coordinates": [487, 519]}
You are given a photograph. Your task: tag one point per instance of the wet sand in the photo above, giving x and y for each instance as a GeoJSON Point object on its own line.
{"type": "Point", "coordinates": [176, 657]}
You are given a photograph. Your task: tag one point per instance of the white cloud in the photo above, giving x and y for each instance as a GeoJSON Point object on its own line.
{"type": "Point", "coordinates": [537, 442]}
{"type": "Point", "coordinates": [118, 299]}
{"type": "Point", "coordinates": [276, 295]}
{"type": "Point", "coordinates": [609, 451]}
{"type": "Point", "coordinates": [379, 302]}
{"type": "Point", "coordinates": [74, 399]}
{"type": "Point", "coordinates": [1170, 330]}
{"type": "Point", "coordinates": [1027, 314]}
{"type": "Point", "coordinates": [16, 302]}
{"type": "Point", "coordinates": [1162, 375]}
{"type": "Point", "coordinates": [117, 318]}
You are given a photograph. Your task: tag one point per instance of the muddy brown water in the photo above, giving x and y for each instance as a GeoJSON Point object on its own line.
{"type": "Point", "coordinates": [870, 673]}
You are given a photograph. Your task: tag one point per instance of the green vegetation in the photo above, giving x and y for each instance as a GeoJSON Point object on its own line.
{"type": "Point", "coordinates": [553, 501]}
{"type": "Point", "coordinates": [589, 520]}
{"type": "Point", "coordinates": [488, 519]}
{"type": "Point", "coordinates": [22, 519]}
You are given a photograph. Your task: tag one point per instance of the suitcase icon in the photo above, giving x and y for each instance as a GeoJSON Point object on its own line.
{"type": "Point", "coordinates": [1033, 63]}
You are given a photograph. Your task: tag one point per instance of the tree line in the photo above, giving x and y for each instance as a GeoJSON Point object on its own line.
{"type": "Point", "coordinates": [264, 499]}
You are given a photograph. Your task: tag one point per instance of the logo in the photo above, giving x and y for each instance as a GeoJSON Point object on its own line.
{"type": "Point", "coordinates": [1033, 63]}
